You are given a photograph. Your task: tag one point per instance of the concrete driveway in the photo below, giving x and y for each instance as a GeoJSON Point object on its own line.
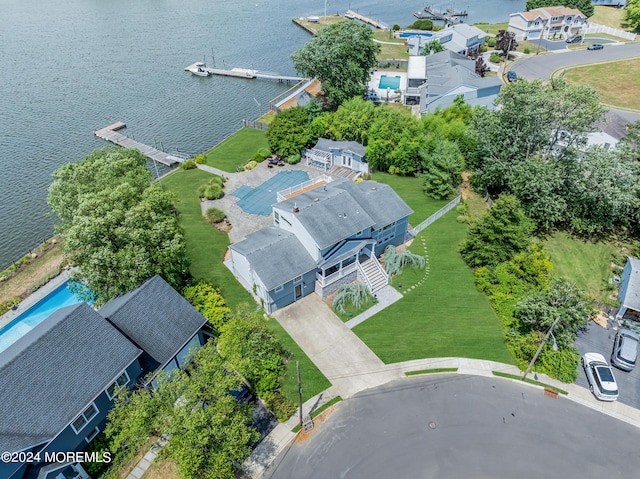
{"type": "Point", "coordinates": [342, 357]}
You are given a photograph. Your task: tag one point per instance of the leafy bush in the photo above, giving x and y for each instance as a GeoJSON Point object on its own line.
{"type": "Point", "coordinates": [100, 444]}
{"type": "Point", "coordinates": [188, 165]}
{"type": "Point", "coordinates": [293, 159]}
{"type": "Point", "coordinates": [495, 58]}
{"type": "Point", "coordinates": [9, 304]}
{"type": "Point", "coordinates": [395, 27]}
{"type": "Point", "coordinates": [200, 159]}
{"type": "Point", "coordinates": [215, 215]}
{"type": "Point", "coordinates": [280, 406]}
{"type": "Point", "coordinates": [209, 302]}
{"type": "Point", "coordinates": [257, 157]}
{"type": "Point", "coordinates": [462, 219]}
{"type": "Point", "coordinates": [526, 50]}
{"type": "Point", "coordinates": [355, 293]}
{"type": "Point", "coordinates": [250, 165]}
{"type": "Point", "coordinates": [561, 364]}
{"type": "Point", "coordinates": [213, 192]}
{"type": "Point", "coordinates": [491, 42]}
{"type": "Point", "coordinates": [394, 262]}
{"type": "Point", "coordinates": [422, 24]}
{"type": "Point", "coordinates": [264, 153]}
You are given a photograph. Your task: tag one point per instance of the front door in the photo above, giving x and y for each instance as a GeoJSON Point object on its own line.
{"type": "Point", "coordinates": [298, 291]}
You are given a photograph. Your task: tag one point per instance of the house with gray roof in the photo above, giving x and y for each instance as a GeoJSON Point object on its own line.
{"type": "Point", "coordinates": [57, 382]}
{"type": "Point", "coordinates": [629, 292]}
{"type": "Point", "coordinates": [461, 38]}
{"type": "Point", "coordinates": [329, 153]}
{"type": "Point", "coordinates": [434, 81]}
{"type": "Point", "coordinates": [322, 236]}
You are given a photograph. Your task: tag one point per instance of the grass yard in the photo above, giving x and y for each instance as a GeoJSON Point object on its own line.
{"type": "Point", "coordinates": [313, 381]}
{"type": "Point", "coordinates": [444, 315]}
{"type": "Point", "coordinates": [399, 51]}
{"type": "Point", "coordinates": [618, 83]}
{"type": "Point", "coordinates": [315, 27]}
{"type": "Point", "coordinates": [492, 28]}
{"type": "Point", "coordinates": [236, 149]}
{"type": "Point", "coordinates": [205, 244]}
{"type": "Point", "coordinates": [612, 17]}
{"type": "Point", "coordinates": [586, 263]}
{"type": "Point", "coordinates": [410, 190]}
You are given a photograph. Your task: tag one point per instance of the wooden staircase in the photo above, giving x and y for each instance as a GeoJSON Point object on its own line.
{"type": "Point", "coordinates": [373, 275]}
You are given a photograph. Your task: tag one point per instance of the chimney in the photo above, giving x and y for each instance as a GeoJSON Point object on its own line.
{"type": "Point", "coordinates": [295, 208]}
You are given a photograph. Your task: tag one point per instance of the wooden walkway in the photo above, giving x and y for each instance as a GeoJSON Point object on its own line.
{"type": "Point", "coordinates": [369, 21]}
{"type": "Point", "coordinates": [245, 73]}
{"type": "Point", "coordinates": [111, 134]}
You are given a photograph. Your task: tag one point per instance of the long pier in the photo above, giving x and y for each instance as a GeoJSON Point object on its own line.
{"type": "Point", "coordinates": [110, 133]}
{"type": "Point", "coordinates": [244, 73]}
{"type": "Point", "coordinates": [369, 21]}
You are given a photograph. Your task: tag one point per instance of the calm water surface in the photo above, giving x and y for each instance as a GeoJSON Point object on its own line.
{"type": "Point", "coordinates": [70, 67]}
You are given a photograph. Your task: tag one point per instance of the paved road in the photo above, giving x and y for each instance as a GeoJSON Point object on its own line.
{"type": "Point", "coordinates": [462, 426]}
{"type": "Point", "coordinates": [542, 66]}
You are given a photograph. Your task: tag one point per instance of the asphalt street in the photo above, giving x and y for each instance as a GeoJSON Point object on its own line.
{"type": "Point", "coordinates": [456, 426]}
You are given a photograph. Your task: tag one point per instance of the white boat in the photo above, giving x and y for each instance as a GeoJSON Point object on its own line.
{"type": "Point", "coordinates": [200, 70]}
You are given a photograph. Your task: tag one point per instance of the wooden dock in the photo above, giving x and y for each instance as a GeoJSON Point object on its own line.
{"type": "Point", "coordinates": [245, 73]}
{"type": "Point", "coordinates": [369, 21]}
{"type": "Point", "coordinates": [451, 17]}
{"type": "Point", "coordinates": [110, 133]}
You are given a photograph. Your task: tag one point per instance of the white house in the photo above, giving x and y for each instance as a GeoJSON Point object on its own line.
{"type": "Point", "coordinates": [464, 39]}
{"type": "Point", "coordinates": [547, 22]}
{"type": "Point", "coordinates": [329, 153]}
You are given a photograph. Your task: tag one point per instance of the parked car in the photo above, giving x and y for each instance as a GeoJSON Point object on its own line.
{"type": "Point", "coordinates": [512, 76]}
{"type": "Point", "coordinates": [602, 383]}
{"type": "Point", "coordinates": [595, 46]}
{"type": "Point", "coordinates": [625, 350]}
{"type": "Point", "coordinates": [574, 39]}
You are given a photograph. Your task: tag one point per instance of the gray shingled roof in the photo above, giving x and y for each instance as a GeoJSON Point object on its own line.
{"type": "Point", "coordinates": [155, 318]}
{"type": "Point", "coordinates": [325, 144]}
{"type": "Point", "coordinates": [51, 373]}
{"type": "Point", "coordinates": [276, 255]}
{"type": "Point", "coordinates": [632, 297]}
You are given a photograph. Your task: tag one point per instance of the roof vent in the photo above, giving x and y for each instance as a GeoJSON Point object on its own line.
{"type": "Point", "coordinates": [295, 208]}
{"type": "Point", "coordinates": [316, 199]}
{"type": "Point", "coordinates": [344, 215]}
{"type": "Point", "coordinates": [374, 188]}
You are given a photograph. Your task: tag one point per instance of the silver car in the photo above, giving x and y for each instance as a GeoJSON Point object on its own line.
{"type": "Point", "coordinates": [625, 350]}
{"type": "Point", "coordinates": [602, 383]}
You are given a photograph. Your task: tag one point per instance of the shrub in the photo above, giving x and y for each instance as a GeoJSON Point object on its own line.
{"type": "Point", "coordinates": [293, 159]}
{"type": "Point", "coordinates": [526, 51]}
{"type": "Point", "coordinates": [462, 219]}
{"type": "Point", "coordinates": [395, 27]}
{"type": "Point", "coordinates": [188, 165]}
{"type": "Point", "coordinates": [483, 48]}
{"type": "Point", "coordinates": [215, 215]}
{"type": "Point", "coordinates": [213, 192]}
{"type": "Point", "coordinates": [495, 58]}
{"type": "Point", "coordinates": [264, 153]}
{"type": "Point", "coordinates": [355, 293]}
{"type": "Point", "coordinates": [491, 42]}
{"type": "Point", "coordinates": [257, 157]}
{"type": "Point", "coordinates": [200, 159]}
{"type": "Point", "coordinates": [461, 208]}
{"type": "Point", "coordinates": [250, 165]}
{"type": "Point", "coordinates": [209, 302]}
{"type": "Point", "coordinates": [395, 262]}
{"type": "Point", "coordinates": [280, 406]}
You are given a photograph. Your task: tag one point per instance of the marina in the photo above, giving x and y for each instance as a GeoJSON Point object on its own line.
{"type": "Point", "coordinates": [110, 133]}
{"type": "Point", "coordinates": [199, 67]}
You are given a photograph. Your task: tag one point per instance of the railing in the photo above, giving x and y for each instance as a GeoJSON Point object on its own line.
{"type": "Point", "coordinates": [379, 268]}
{"type": "Point", "coordinates": [282, 195]}
{"type": "Point", "coordinates": [597, 28]}
{"type": "Point", "coordinates": [327, 280]}
{"type": "Point", "coordinates": [438, 214]}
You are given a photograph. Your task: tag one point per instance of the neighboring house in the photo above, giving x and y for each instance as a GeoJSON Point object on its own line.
{"type": "Point", "coordinates": [463, 39]}
{"type": "Point", "coordinates": [610, 3]}
{"type": "Point", "coordinates": [322, 237]}
{"type": "Point", "coordinates": [56, 384]}
{"type": "Point", "coordinates": [629, 292]}
{"type": "Point", "coordinates": [299, 95]}
{"type": "Point", "coordinates": [57, 381]}
{"type": "Point", "coordinates": [434, 81]}
{"type": "Point", "coordinates": [328, 153]}
{"type": "Point", "coordinates": [547, 22]}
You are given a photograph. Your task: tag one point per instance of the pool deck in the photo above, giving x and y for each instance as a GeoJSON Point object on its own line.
{"type": "Point", "coordinates": [374, 83]}
{"type": "Point", "coordinates": [34, 297]}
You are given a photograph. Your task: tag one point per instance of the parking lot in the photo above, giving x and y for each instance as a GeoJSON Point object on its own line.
{"type": "Point", "coordinates": [600, 340]}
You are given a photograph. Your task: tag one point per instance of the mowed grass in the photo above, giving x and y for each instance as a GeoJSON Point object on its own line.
{"type": "Point", "coordinates": [388, 52]}
{"type": "Point", "coordinates": [586, 263]}
{"type": "Point", "coordinates": [236, 149]}
{"type": "Point", "coordinates": [313, 381]}
{"type": "Point", "coordinates": [410, 190]}
{"type": "Point", "coordinates": [444, 315]}
{"type": "Point", "coordinates": [612, 17]}
{"type": "Point", "coordinates": [206, 245]}
{"type": "Point", "coordinates": [618, 83]}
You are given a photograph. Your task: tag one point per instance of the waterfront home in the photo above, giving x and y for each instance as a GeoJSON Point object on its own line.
{"type": "Point", "coordinates": [346, 154]}
{"type": "Point", "coordinates": [57, 382]}
{"type": "Point", "coordinates": [547, 23]}
{"type": "Point", "coordinates": [462, 38]}
{"type": "Point", "coordinates": [323, 235]}
{"type": "Point", "coordinates": [434, 81]}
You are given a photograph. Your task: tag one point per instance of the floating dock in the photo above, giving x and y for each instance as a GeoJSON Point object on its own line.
{"type": "Point", "coordinates": [451, 17]}
{"type": "Point", "coordinates": [110, 133]}
{"type": "Point", "coordinates": [245, 73]}
{"type": "Point", "coordinates": [369, 21]}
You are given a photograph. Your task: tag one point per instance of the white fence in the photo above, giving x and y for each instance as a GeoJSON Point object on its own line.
{"type": "Point", "coordinates": [597, 28]}
{"type": "Point", "coordinates": [441, 212]}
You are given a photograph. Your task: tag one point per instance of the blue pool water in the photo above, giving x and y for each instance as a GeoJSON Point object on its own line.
{"type": "Point", "coordinates": [58, 298]}
{"type": "Point", "coordinates": [413, 34]}
{"type": "Point", "coordinates": [389, 82]}
{"type": "Point", "coordinates": [258, 200]}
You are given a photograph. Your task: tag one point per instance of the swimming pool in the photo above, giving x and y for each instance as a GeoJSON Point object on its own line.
{"type": "Point", "coordinates": [414, 34]}
{"type": "Point", "coordinates": [58, 298]}
{"type": "Point", "coordinates": [389, 82]}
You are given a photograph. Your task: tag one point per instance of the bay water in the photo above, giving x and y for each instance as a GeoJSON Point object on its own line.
{"type": "Point", "coordinates": [70, 67]}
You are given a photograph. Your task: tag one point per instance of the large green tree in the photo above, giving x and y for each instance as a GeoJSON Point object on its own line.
{"type": "Point", "coordinates": [585, 6]}
{"type": "Point", "coordinates": [290, 132]}
{"type": "Point", "coordinates": [632, 14]}
{"type": "Point", "coordinates": [442, 168]}
{"type": "Point", "coordinates": [341, 57]}
{"type": "Point", "coordinates": [119, 229]}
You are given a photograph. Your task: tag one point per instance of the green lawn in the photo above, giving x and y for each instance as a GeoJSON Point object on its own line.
{"type": "Point", "coordinates": [492, 28]}
{"type": "Point", "coordinates": [612, 17]}
{"type": "Point", "coordinates": [444, 315]}
{"type": "Point", "coordinates": [585, 262]}
{"type": "Point", "coordinates": [205, 244]}
{"type": "Point", "coordinates": [410, 190]}
{"type": "Point", "coordinates": [236, 149]}
{"type": "Point", "coordinates": [313, 381]}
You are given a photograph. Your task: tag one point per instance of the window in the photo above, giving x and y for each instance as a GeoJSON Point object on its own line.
{"type": "Point", "coordinates": [93, 434]}
{"type": "Point", "coordinates": [276, 217]}
{"type": "Point", "coordinates": [297, 279]}
{"type": "Point", "coordinates": [122, 380]}
{"type": "Point", "coordinates": [279, 288]}
{"type": "Point", "coordinates": [83, 419]}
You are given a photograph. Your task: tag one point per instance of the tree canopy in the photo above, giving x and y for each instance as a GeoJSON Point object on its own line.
{"type": "Point", "coordinates": [632, 13]}
{"type": "Point", "coordinates": [289, 132]}
{"type": "Point", "coordinates": [341, 57]}
{"type": "Point", "coordinates": [506, 42]}
{"type": "Point", "coordinates": [119, 230]}
{"type": "Point", "coordinates": [585, 6]}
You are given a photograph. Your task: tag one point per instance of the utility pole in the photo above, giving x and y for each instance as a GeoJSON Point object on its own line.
{"type": "Point", "coordinates": [299, 391]}
{"type": "Point", "coordinates": [544, 341]}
